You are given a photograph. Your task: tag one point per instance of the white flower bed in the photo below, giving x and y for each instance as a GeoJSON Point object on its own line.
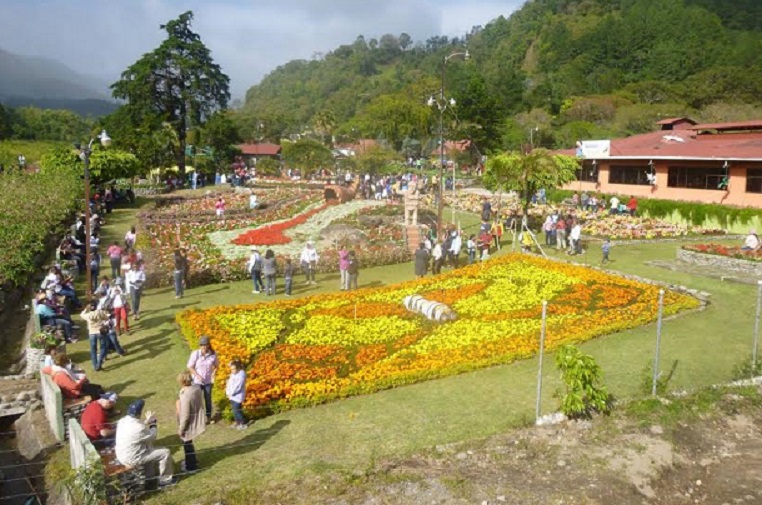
{"type": "Point", "coordinates": [309, 230]}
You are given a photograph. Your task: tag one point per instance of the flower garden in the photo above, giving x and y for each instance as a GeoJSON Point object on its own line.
{"type": "Point", "coordinates": [288, 216]}
{"type": "Point", "coordinates": [725, 250]}
{"type": "Point", "coordinates": [311, 350]}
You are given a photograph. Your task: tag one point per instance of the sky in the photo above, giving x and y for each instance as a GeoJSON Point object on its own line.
{"type": "Point", "coordinates": [247, 38]}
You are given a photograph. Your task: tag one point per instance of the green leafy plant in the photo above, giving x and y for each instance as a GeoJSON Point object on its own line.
{"type": "Point", "coordinates": [43, 339]}
{"type": "Point", "coordinates": [747, 369]}
{"type": "Point", "coordinates": [585, 393]}
{"type": "Point", "coordinates": [87, 484]}
{"type": "Point", "coordinates": [662, 380]}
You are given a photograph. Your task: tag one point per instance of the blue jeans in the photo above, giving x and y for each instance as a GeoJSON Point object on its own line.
{"type": "Point", "coordinates": [256, 278]}
{"type": "Point", "coordinates": [237, 412]}
{"type": "Point", "coordinates": [289, 283]}
{"type": "Point", "coordinates": [179, 277]}
{"type": "Point", "coordinates": [135, 294]}
{"type": "Point", "coordinates": [97, 358]}
{"type": "Point", "coordinates": [57, 321]}
{"type": "Point", "coordinates": [114, 343]}
{"type": "Point", "coordinates": [270, 284]}
{"type": "Point", "coordinates": [207, 390]}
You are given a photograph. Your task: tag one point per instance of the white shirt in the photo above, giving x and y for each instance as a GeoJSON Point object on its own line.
{"type": "Point", "coordinates": [457, 243]}
{"type": "Point", "coordinates": [309, 255]}
{"type": "Point", "coordinates": [614, 202]}
{"type": "Point", "coordinates": [135, 279]}
{"type": "Point", "coordinates": [255, 256]}
{"type": "Point", "coordinates": [751, 242]}
{"type": "Point", "coordinates": [437, 252]}
{"type": "Point", "coordinates": [133, 439]}
{"type": "Point", "coordinates": [576, 232]}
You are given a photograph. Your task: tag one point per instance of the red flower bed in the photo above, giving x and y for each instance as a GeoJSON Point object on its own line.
{"type": "Point", "coordinates": [273, 234]}
{"type": "Point", "coordinates": [723, 250]}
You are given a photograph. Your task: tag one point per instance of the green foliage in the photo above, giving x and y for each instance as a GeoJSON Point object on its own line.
{"type": "Point", "coordinates": [581, 61]}
{"type": "Point", "coordinates": [87, 484]}
{"type": "Point", "coordinates": [268, 166]}
{"type": "Point", "coordinates": [697, 214]}
{"type": "Point", "coordinates": [220, 133]}
{"type": "Point", "coordinates": [177, 84]}
{"type": "Point", "coordinates": [527, 173]}
{"type": "Point", "coordinates": [32, 150]}
{"type": "Point", "coordinates": [307, 155]}
{"type": "Point", "coordinates": [31, 206]}
{"type": "Point", "coordinates": [585, 393]}
{"type": "Point", "coordinates": [32, 123]}
{"type": "Point", "coordinates": [662, 380]}
{"type": "Point", "coordinates": [105, 164]}
{"type": "Point", "coordinates": [748, 369]}
{"type": "Point", "coordinates": [375, 159]}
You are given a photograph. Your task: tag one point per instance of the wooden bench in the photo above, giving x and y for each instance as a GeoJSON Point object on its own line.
{"type": "Point", "coordinates": [72, 409]}
{"type": "Point", "coordinates": [127, 483]}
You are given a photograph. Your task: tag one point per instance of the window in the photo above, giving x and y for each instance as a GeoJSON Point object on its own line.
{"type": "Point", "coordinates": [754, 180]}
{"type": "Point", "coordinates": [629, 174]}
{"type": "Point", "coordinates": [696, 177]}
{"type": "Point", "coordinates": [588, 172]}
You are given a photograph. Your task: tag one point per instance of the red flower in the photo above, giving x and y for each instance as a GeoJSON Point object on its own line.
{"type": "Point", "coordinates": [273, 234]}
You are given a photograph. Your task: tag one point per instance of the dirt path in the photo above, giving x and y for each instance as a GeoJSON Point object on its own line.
{"type": "Point", "coordinates": [708, 455]}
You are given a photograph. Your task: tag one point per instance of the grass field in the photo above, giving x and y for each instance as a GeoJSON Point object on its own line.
{"type": "Point", "coordinates": [347, 437]}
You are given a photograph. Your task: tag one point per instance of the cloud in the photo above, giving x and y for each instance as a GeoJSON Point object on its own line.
{"type": "Point", "coordinates": [248, 38]}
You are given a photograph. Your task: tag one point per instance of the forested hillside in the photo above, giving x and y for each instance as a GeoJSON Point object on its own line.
{"type": "Point", "coordinates": [564, 69]}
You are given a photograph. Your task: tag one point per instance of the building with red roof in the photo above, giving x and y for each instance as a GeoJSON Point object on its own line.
{"type": "Point", "coordinates": [709, 163]}
{"type": "Point", "coordinates": [253, 152]}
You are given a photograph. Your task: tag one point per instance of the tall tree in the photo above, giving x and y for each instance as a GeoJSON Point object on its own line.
{"type": "Point", "coordinates": [527, 173]}
{"type": "Point", "coordinates": [178, 83]}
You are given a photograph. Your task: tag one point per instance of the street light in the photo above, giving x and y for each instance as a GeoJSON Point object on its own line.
{"type": "Point", "coordinates": [84, 154]}
{"type": "Point", "coordinates": [442, 103]}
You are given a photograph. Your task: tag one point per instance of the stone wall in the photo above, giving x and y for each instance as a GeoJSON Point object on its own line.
{"type": "Point", "coordinates": [745, 267]}
{"type": "Point", "coordinates": [51, 398]}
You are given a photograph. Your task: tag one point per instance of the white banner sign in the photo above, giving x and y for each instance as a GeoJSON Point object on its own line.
{"type": "Point", "coordinates": [593, 149]}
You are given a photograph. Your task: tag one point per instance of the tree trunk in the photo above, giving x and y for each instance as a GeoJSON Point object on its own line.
{"type": "Point", "coordinates": [182, 138]}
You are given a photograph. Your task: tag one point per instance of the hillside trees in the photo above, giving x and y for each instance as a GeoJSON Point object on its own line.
{"type": "Point", "coordinates": [178, 84]}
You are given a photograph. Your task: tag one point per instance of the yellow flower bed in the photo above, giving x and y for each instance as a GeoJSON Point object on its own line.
{"type": "Point", "coordinates": [307, 351]}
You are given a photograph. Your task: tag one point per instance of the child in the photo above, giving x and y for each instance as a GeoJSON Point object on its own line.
{"type": "Point", "coordinates": [606, 247]}
{"type": "Point", "coordinates": [288, 275]}
{"type": "Point", "coordinates": [236, 393]}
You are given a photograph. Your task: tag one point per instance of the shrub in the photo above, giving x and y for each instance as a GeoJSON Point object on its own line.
{"type": "Point", "coordinates": [585, 392]}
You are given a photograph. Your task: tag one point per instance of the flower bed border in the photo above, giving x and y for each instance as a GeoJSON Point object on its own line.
{"type": "Point", "coordinates": [748, 267]}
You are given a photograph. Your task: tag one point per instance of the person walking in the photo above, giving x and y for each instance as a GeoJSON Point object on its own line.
{"type": "Point", "coordinates": [135, 278]}
{"type": "Point", "coordinates": [269, 267]}
{"type": "Point", "coordinates": [353, 270]}
{"type": "Point", "coordinates": [308, 261]}
{"type": "Point", "coordinates": [436, 255]}
{"type": "Point", "coordinates": [115, 257]}
{"type": "Point", "coordinates": [181, 267]}
{"type": "Point", "coordinates": [343, 266]}
{"type": "Point", "coordinates": [202, 365]}
{"type": "Point", "coordinates": [421, 260]}
{"type": "Point", "coordinates": [254, 266]}
{"type": "Point", "coordinates": [130, 237]}
{"type": "Point", "coordinates": [97, 330]}
{"type": "Point", "coordinates": [235, 390]}
{"type": "Point", "coordinates": [191, 421]}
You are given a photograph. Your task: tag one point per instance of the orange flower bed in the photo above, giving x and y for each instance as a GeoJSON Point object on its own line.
{"type": "Point", "coordinates": [306, 351]}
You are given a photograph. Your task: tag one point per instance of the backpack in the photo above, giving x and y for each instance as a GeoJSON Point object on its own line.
{"type": "Point", "coordinates": [353, 266]}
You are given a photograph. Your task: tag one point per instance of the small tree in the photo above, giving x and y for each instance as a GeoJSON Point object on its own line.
{"type": "Point", "coordinates": [585, 392]}
{"type": "Point", "coordinates": [527, 173]}
{"type": "Point", "coordinates": [307, 154]}
{"type": "Point", "coordinates": [375, 158]}
{"type": "Point", "coordinates": [105, 164]}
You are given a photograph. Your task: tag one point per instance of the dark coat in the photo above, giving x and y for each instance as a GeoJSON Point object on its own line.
{"type": "Point", "coordinates": [421, 261]}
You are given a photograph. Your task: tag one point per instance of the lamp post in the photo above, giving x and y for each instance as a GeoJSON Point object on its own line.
{"type": "Point", "coordinates": [84, 154]}
{"type": "Point", "coordinates": [442, 103]}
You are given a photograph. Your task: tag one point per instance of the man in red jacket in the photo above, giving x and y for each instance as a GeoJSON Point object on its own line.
{"type": "Point", "coordinates": [95, 421]}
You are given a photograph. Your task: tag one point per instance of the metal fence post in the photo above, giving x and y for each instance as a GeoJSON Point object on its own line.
{"type": "Point", "coordinates": [756, 329]}
{"type": "Point", "coordinates": [658, 343]}
{"type": "Point", "coordinates": [542, 353]}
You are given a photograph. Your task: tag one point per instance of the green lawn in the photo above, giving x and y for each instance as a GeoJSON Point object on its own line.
{"type": "Point", "coordinates": [352, 435]}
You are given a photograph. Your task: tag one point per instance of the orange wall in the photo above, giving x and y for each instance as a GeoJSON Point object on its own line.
{"type": "Point", "coordinates": [735, 195]}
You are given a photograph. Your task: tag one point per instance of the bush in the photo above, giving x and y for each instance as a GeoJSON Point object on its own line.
{"type": "Point", "coordinates": [585, 392]}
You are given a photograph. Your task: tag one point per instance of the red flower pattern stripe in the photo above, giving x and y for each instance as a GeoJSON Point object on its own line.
{"type": "Point", "coordinates": [273, 234]}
